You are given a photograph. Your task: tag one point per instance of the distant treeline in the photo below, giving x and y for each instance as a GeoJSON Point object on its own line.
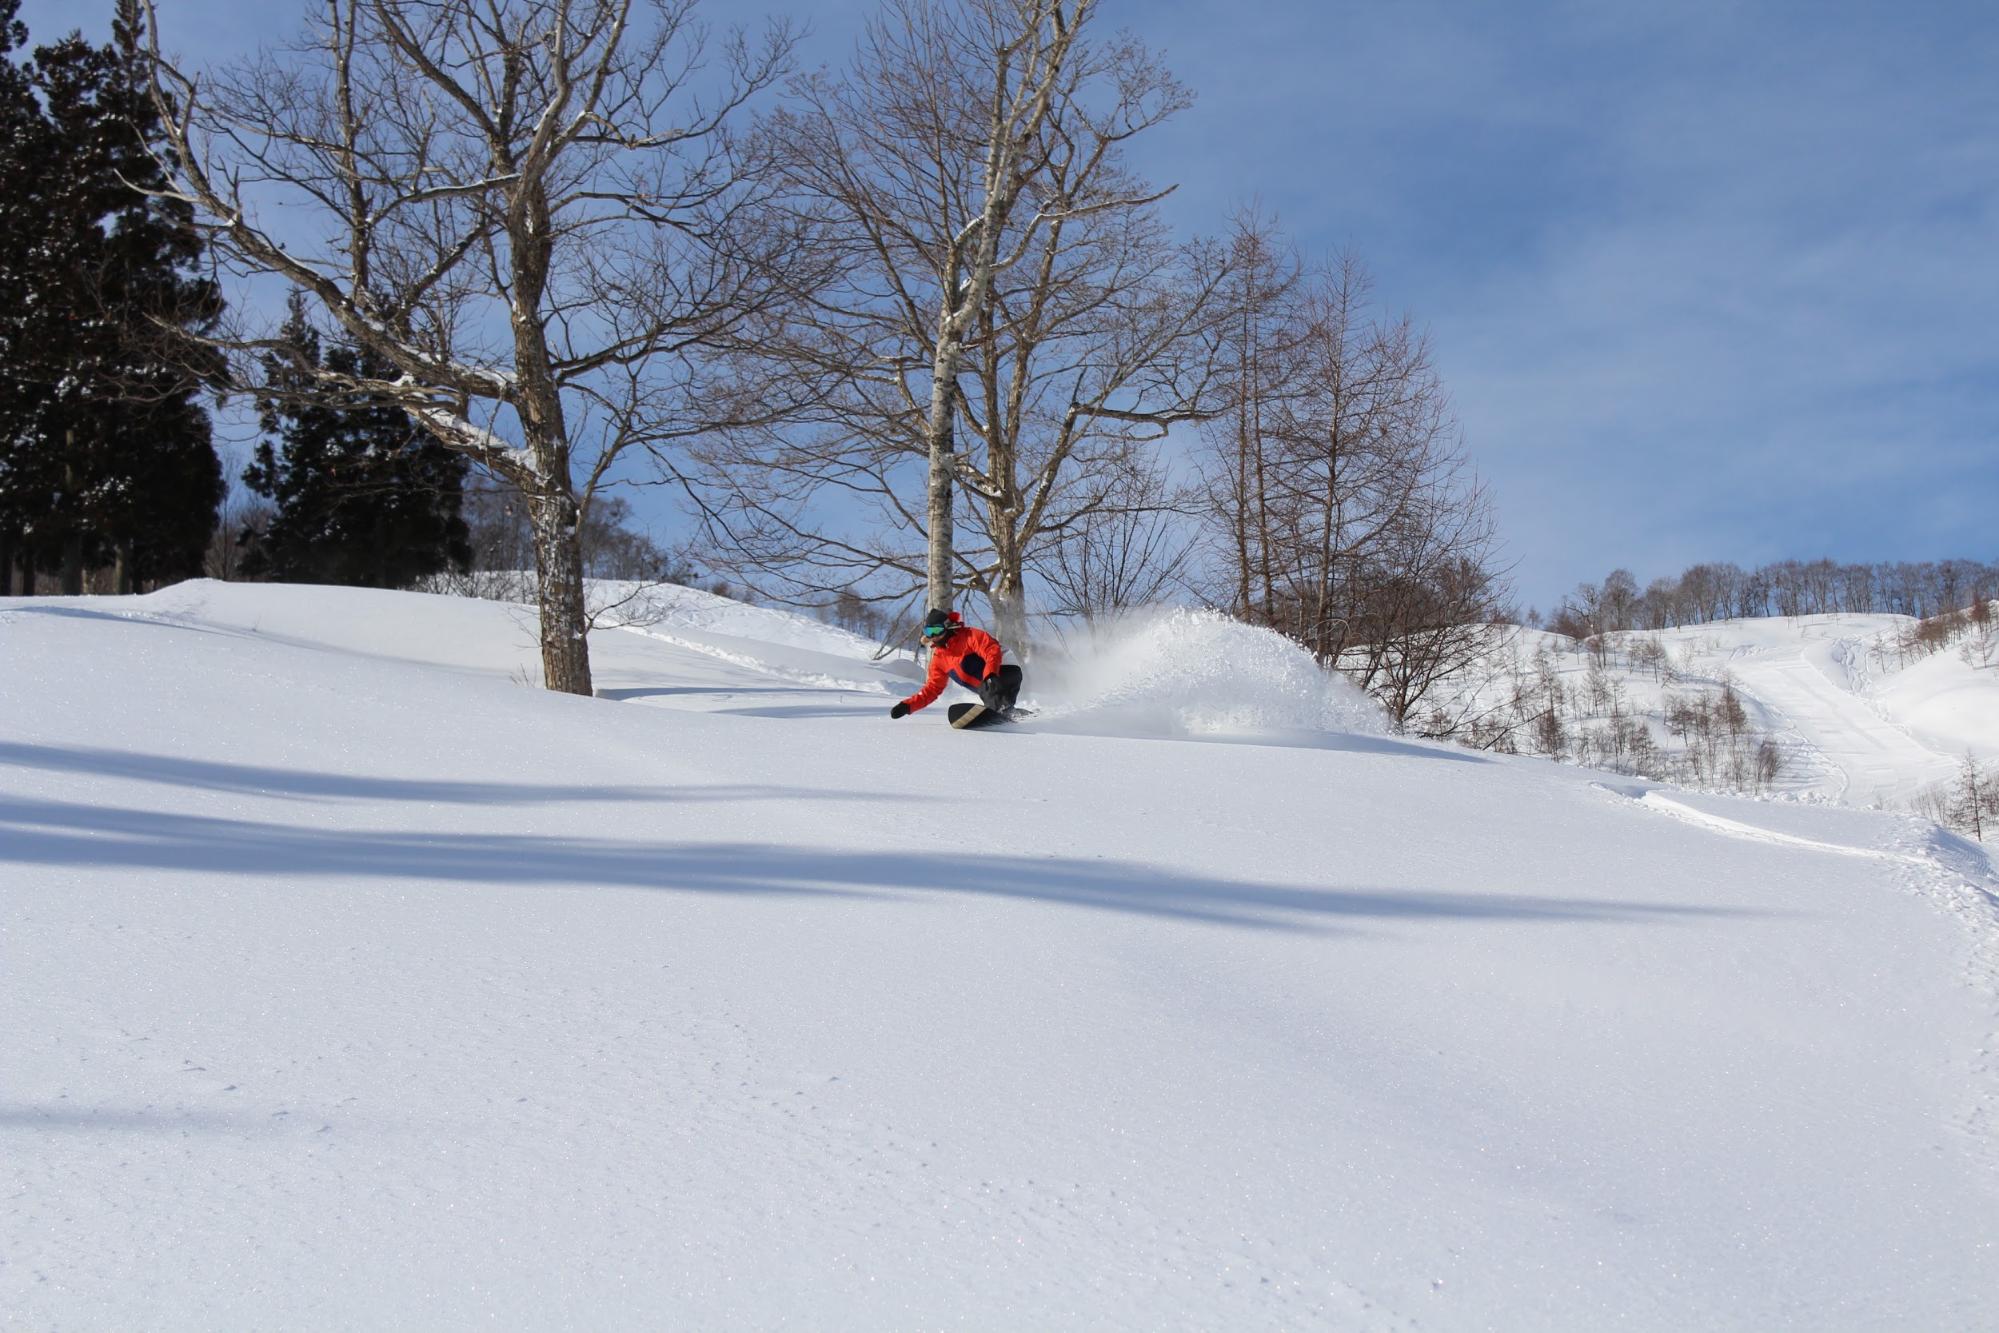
{"type": "Point", "coordinates": [1708, 592]}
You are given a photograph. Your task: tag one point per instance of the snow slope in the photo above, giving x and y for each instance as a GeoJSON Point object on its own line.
{"type": "Point", "coordinates": [1945, 704]}
{"type": "Point", "coordinates": [1804, 670]}
{"type": "Point", "coordinates": [1855, 724]}
{"type": "Point", "coordinates": [347, 982]}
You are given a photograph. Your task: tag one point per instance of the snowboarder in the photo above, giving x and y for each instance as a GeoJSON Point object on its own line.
{"type": "Point", "coordinates": [971, 657]}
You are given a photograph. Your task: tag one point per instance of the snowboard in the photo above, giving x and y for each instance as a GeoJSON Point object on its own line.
{"type": "Point", "coordinates": [970, 717]}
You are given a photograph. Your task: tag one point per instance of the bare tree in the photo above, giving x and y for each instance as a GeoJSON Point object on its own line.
{"type": "Point", "coordinates": [243, 519]}
{"type": "Point", "coordinates": [1973, 801]}
{"type": "Point", "coordinates": [1344, 493]}
{"type": "Point", "coordinates": [1369, 460]}
{"type": "Point", "coordinates": [1338, 487]}
{"type": "Point", "coordinates": [529, 209]}
{"type": "Point", "coordinates": [1012, 320]}
{"type": "Point", "coordinates": [1619, 600]}
{"type": "Point", "coordinates": [1260, 329]}
{"type": "Point", "coordinates": [615, 549]}
{"type": "Point", "coordinates": [1423, 607]}
{"type": "Point", "coordinates": [1713, 591]}
{"type": "Point", "coordinates": [1092, 349]}
{"type": "Point", "coordinates": [1123, 554]}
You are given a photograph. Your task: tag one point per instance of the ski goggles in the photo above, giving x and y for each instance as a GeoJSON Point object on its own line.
{"type": "Point", "coordinates": [936, 631]}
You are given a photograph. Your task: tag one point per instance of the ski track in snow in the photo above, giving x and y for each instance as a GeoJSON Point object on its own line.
{"type": "Point", "coordinates": [759, 663]}
{"type": "Point", "coordinates": [1666, 805]}
{"type": "Point", "coordinates": [1875, 761]}
{"type": "Point", "coordinates": [1947, 870]}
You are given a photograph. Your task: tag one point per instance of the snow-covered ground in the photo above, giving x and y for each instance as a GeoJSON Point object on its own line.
{"type": "Point", "coordinates": [1855, 722]}
{"type": "Point", "coordinates": [1810, 673]}
{"type": "Point", "coordinates": [349, 982]}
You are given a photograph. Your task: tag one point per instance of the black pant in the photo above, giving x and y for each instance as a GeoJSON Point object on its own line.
{"type": "Point", "coordinates": [1002, 688]}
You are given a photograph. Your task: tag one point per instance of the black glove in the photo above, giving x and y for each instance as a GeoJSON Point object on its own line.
{"type": "Point", "coordinates": [900, 710]}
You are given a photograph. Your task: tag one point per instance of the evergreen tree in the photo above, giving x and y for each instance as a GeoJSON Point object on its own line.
{"type": "Point", "coordinates": [111, 449]}
{"type": "Point", "coordinates": [363, 495]}
{"type": "Point", "coordinates": [24, 141]}
{"type": "Point", "coordinates": [165, 508]}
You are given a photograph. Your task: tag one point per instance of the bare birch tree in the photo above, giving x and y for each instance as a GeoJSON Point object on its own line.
{"type": "Point", "coordinates": [529, 209]}
{"type": "Point", "coordinates": [1011, 317]}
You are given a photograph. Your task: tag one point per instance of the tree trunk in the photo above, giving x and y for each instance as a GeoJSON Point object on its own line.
{"type": "Point", "coordinates": [558, 554]}
{"type": "Point", "coordinates": [943, 464]}
{"type": "Point", "coordinates": [1239, 521]}
{"type": "Point", "coordinates": [1244, 389]}
{"type": "Point", "coordinates": [1009, 601]}
{"type": "Point", "coordinates": [1263, 542]}
{"type": "Point", "coordinates": [72, 565]}
{"type": "Point", "coordinates": [122, 570]}
{"type": "Point", "coordinates": [553, 511]}
{"type": "Point", "coordinates": [1322, 610]}
{"type": "Point", "coordinates": [72, 546]}
{"type": "Point", "coordinates": [6, 563]}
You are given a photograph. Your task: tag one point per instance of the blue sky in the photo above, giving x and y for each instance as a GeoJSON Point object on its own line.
{"type": "Point", "coordinates": [1707, 280]}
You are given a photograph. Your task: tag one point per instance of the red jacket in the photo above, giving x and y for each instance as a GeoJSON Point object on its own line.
{"type": "Point", "coordinates": [965, 655]}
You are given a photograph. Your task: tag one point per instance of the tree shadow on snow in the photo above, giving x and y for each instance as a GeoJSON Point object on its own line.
{"type": "Point", "coordinates": [866, 708]}
{"type": "Point", "coordinates": [626, 695]}
{"type": "Point", "coordinates": [1144, 729]}
{"type": "Point", "coordinates": [1358, 743]}
{"type": "Point", "coordinates": [51, 833]}
{"type": "Point", "coordinates": [167, 620]}
{"type": "Point", "coordinates": [300, 784]}
{"type": "Point", "coordinates": [864, 703]}
{"type": "Point", "coordinates": [63, 1117]}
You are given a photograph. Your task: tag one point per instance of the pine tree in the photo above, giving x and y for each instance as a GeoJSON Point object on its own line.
{"type": "Point", "coordinates": [24, 141]}
{"type": "Point", "coordinates": [160, 519]}
{"type": "Point", "coordinates": [363, 496]}
{"type": "Point", "coordinates": [114, 460]}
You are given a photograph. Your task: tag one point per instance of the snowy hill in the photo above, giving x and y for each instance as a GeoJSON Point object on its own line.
{"type": "Point", "coordinates": [1848, 713]}
{"type": "Point", "coordinates": [352, 983]}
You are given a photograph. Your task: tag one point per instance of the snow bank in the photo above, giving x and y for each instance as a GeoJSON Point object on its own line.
{"type": "Point", "coordinates": [1180, 672]}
